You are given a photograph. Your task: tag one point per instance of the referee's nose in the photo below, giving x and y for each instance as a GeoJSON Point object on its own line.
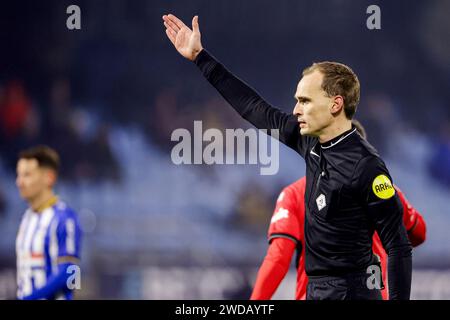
{"type": "Point", "coordinates": [298, 110]}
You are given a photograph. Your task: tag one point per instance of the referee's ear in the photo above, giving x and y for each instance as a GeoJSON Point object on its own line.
{"type": "Point", "coordinates": [338, 104]}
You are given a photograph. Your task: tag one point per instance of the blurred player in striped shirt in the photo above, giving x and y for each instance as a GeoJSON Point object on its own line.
{"type": "Point", "coordinates": [286, 237]}
{"type": "Point", "coordinates": [49, 237]}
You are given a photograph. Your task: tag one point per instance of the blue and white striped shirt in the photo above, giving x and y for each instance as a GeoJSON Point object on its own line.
{"type": "Point", "coordinates": [44, 239]}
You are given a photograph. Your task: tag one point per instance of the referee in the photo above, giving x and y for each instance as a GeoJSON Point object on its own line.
{"type": "Point", "coordinates": [349, 191]}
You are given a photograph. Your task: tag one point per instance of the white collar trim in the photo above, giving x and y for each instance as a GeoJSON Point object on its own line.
{"type": "Point", "coordinates": [342, 138]}
{"type": "Point", "coordinates": [312, 150]}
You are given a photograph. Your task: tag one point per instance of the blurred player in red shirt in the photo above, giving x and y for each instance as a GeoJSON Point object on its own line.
{"type": "Point", "coordinates": [286, 236]}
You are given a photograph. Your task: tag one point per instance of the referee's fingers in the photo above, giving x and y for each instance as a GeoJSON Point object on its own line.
{"type": "Point", "coordinates": [168, 22]}
{"type": "Point", "coordinates": [195, 26]}
{"type": "Point", "coordinates": [171, 35]}
{"type": "Point", "coordinates": [176, 21]}
{"type": "Point", "coordinates": [168, 26]}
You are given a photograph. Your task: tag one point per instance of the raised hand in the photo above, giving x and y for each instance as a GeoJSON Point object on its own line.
{"type": "Point", "coordinates": [186, 41]}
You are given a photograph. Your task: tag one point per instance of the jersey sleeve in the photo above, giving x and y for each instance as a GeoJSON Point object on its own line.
{"type": "Point", "coordinates": [68, 235]}
{"type": "Point", "coordinates": [382, 201]}
{"type": "Point", "coordinates": [250, 105]}
{"type": "Point", "coordinates": [385, 212]}
{"type": "Point", "coordinates": [273, 269]}
{"type": "Point", "coordinates": [285, 219]}
{"type": "Point", "coordinates": [413, 221]}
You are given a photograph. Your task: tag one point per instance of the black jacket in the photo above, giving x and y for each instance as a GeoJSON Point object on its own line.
{"type": "Point", "coordinates": [349, 192]}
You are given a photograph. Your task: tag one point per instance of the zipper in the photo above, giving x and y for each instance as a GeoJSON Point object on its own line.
{"type": "Point", "coordinates": [318, 180]}
{"type": "Point", "coordinates": [316, 191]}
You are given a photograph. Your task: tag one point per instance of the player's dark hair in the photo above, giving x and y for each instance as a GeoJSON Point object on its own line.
{"type": "Point", "coordinates": [45, 156]}
{"type": "Point", "coordinates": [339, 79]}
{"type": "Point", "coordinates": [360, 128]}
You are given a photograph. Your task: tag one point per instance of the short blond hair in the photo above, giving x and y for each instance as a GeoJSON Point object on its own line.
{"type": "Point", "coordinates": [339, 79]}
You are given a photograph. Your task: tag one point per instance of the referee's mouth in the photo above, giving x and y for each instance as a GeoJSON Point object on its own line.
{"type": "Point", "coordinates": [301, 123]}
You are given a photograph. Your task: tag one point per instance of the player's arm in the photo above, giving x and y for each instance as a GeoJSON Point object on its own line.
{"type": "Point", "coordinates": [273, 269]}
{"type": "Point", "coordinates": [55, 283]}
{"type": "Point", "coordinates": [413, 220]}
{"type": "Point", "coordinates": [386, 213]}
{"type": "Point", "coordinates": [245, 100]}
{"type": "Point", "coordinates": [284, 237]}
{"type": "Point", "coordinates": [417, 233]}
{"type": "Point", "coordinates": [68, 234]}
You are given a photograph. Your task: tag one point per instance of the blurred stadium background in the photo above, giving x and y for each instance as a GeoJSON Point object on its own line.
{"type": "Point", "coordinates": [108, 97]}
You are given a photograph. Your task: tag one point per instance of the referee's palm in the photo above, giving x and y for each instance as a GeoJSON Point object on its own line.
{"type": "Point", "coordinates": [186, 41]}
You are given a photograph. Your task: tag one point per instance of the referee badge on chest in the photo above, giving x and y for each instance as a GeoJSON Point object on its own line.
{"type": "Point", "coordinates": [321, 201]}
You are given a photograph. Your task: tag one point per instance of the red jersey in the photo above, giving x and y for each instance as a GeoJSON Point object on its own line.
{"type": "Point", "coordinates": [288, 222]}
{"type": "Point", "coordinates": [416, 228]}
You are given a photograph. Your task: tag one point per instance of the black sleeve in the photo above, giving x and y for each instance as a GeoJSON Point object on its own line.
{"type": "Point", "coordinates": [249, 104]}
{"type": "Point", "coordinates": [386, 213]}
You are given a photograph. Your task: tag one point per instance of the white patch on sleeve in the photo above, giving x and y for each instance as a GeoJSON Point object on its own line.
{"type": "Point", "coordinates": [280, 197]}
{"type": "Point", "coordinates": [280, 214]}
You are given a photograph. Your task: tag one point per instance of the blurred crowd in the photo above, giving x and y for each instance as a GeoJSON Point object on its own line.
{"type": "Point", "coordinates": [120, 70]}
{"type": "Point", "coordinates": [78, 134]}
{"type": "Point", "coordinates": [81, 134]}
{"type": "Point", "coordinates": [86, 93]}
